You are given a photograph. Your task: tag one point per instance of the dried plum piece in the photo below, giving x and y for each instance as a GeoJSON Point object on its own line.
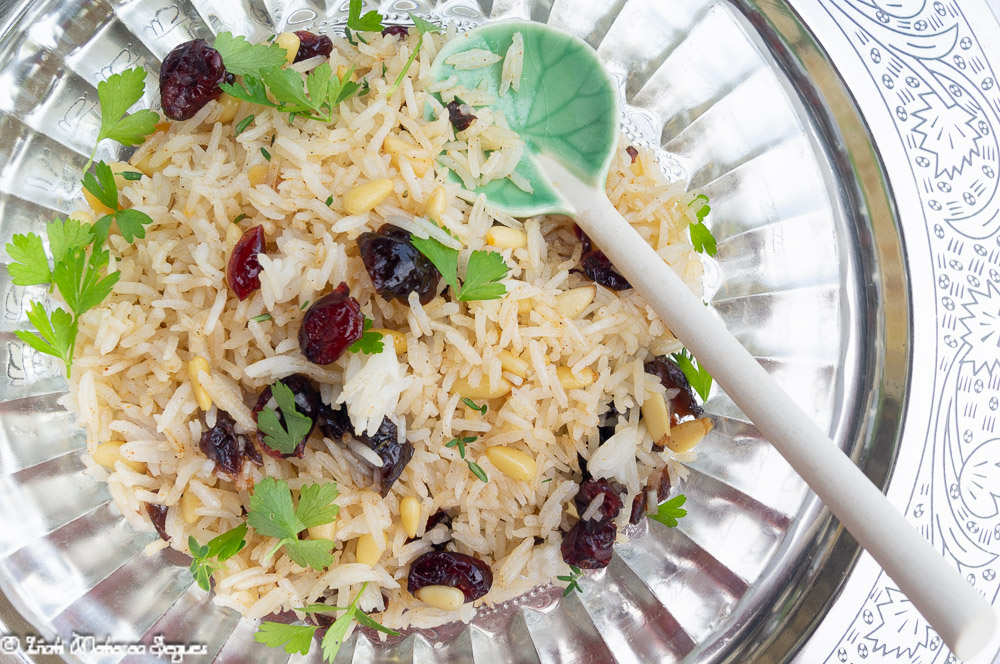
{"type": "Point", "coordinates": [394, 456]}
{"type": "Point", "coordinates": [448, 568]}
{"type": "Point", "coordinates": [307, 402]}
{"type": "Point", "coordinates": [386, 433]}
{"type": "Point", "coordinates": [683, 404]}
{"type": "Point", "coordinates": [596, 266]}
{"type": "Point", "coordinates": [158, 516]}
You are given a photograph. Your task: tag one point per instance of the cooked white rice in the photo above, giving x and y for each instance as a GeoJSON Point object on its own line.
{"type": "Point", "coordinates": [130, 380]}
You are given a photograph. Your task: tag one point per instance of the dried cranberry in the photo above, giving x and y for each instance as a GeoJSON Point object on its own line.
{"type": "Point", "coordinates": [638, 507]}
{"type": "Point", "coordinates": [333, 423]}
{"type": "Point", "coordinates": [307, 402]}
{"type": "Point", "coordinates": [632, 153]}
{"type": "Point", "coordinates": [455, 570]}
{"type": "Point", "coordinates": [598, 267]}
{"type": "Point", "coordinates": [396, 267]}
{"type": "Point", "coordinates": [395, 456]}
{"type": "Point", "coordinates": [330, 326]}
{"type": "Point", "coordinates": [189, 79]}
{"type": "Point", "coordinates": [583, 467]}
{"type": "Point", "coordinates": [663, 485]}
{"type": "Point", "coordinates": [441, 516]}
{"type": "Point", "coordinates": [589, 544]}
{"type": "Point", "coordinates": [386, 433]}
{"type": "Point", "coordinates": [244, 267]}
{"type": "Point", "coordinates": [311, 45]}
{"type": "Point", "coordinates": [224, 446]}
{"type": "Point", "coordinates": [584, 239]}
{"type": "Point", "coordinates": [671, 377]}
{"type": "Point", "coordinates": [398, 31]}
{"type": "Point", "coordinates": [590, 489]}
{"type": "Point", "coordinates": [158, 515]}
{"type": "Point", "coordinates": [610, 421]}
{"type": "Point", "coordinates": [460, 115]}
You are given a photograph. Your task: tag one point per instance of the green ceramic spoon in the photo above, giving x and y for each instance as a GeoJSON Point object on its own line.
{"type": "Point", "coordinates": [566, 110]}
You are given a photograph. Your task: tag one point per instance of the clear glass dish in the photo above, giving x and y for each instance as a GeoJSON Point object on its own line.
{"type": "Point", "coordinates": [809, 276]}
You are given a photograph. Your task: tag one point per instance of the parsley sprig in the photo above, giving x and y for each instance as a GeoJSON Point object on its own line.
{"type": "Point", "coordinates": [242, 58]}
{"type": "Point", "coordinates": [273, 514]}
{"type": "Point", "coordinates": [102, 186]}
{"type": "Point", "coordinates": [284, 438]}
{"type": "Point", "coordinates": [222, 548]}
{"type": "Point", "coordinates": [573, 580]}
{"type": "Point", "coordinates": [298, 638]}
{"type": "Point", "coordinates": [697, 376]}
{"type": "Point", "coordinates": [669, 511]}
{"type": "Point", "coordinates": [370, 22]}
{"type": "Point", "coordinates": [474, 467]}
{"type": "Point", "coordinates": [701, 237]}
{"type": "Point", "coordinates": [116, 95]}
{"type": "Point", "coordinates": [315, 99]}
{"type": "Point", "coordinates": [370, 343]}
{"type": "Point", "coordinates": [482, 276]}
{"type": "Point", "coordinates": [423, 27]}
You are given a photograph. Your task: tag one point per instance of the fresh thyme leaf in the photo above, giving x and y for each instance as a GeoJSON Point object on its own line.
{"type": "Point", "coordinates": [547, 479]}
{"type": "Point", "coordinates": [477, 470]}
{"type": "Point", "coordinates": [329, 201]}
{"type": "Point", "coordinates": [245, 59]}
{"type": "Point", "coordinates": [302, 307]}
{"type": "Point", "coordinates": [472, 404]}
{"type": "Point", "coordinates": [370, 22]}
{"type": "Point", "coordinates": [116, 95]}
{"type": "Point", "coordinates": [669, 511]}
{"type": "Point", "coordinates": [261, 318]}
{"type": "Point", "coordinates": [460, 443]}
{"type": "Point", "coordinates": [267, 155]}
{"type": "Point", "coordinates": [240, 217]}
{"type": "Point", "coordinates": [294, 638]}
{"type": "Point", "coordinates": [573, 579]}
{"type": "Point", "coordinates": [284, 438]}
{"type": "Point", "coordinates": [697, 376]}
{"type": "Point", "coordinates": [132, 175]}
{"type": "Point", "coordinates": [243, 124]}
{"type": "Point", "coordinates": [485, 269]}
{"type": "Point", "coordinates": [273, 514]}
{"type": "Point", "coordinates": [370, 343]}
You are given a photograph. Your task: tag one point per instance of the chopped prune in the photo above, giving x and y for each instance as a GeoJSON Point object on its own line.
{"type": "Point", "coordinates": [589, 544]}
{"type": "Point", "coordinates": [683, 404]}
{"type": "Point", "coordinates": [307, 402]}
{"type": "Point", "coordinates": [224, 446]}
{"type": "Point", "coordinates": [333, 423]}
{"type": "Point", "coordinates": [397, 31]}
{"type": "Point", "coordinates": [455, 570]}
{"type": "Point", "coordinates": [189, 79]}
{"type": "Point", "coordinates": [311, 45]}
{"type": "Point", "coordinates": [396, 267]}
{"type": "Point", "coordinates": [460, 115]}
{"type": "Point", "coordinates": [330, 326]}
{"type": "Point", "coordinates": [243, 272]}
{"type": "Point", "coordinates": [590, 489]}
{"type": "Point", "coordinates": [158, 515]}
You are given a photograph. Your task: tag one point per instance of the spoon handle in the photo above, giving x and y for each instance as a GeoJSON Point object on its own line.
{"type": "Point", "coordinates": [953, 608]}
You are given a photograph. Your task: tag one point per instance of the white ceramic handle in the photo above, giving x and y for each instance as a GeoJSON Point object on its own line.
{"type": "Point", "coordinates": [953, 608]}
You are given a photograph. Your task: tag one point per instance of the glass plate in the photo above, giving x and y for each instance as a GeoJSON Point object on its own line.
{"type": "Point", "coordinates": [739, 101]}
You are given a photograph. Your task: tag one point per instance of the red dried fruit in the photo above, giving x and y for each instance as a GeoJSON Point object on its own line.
{"type": "Point", "coordinates": [189, 79]}
{"type": "Point", "coordinates": [683, 404]}
{"type": "Point", "coordinates": [598, 268]}
{"type": "Point", "coordinates": [460, 115]}
{"type": "Point", "coordinates": [632, 153]}
{"type": "Point", "coordinates": [333, 423]}
{"type": "Point", "coordinates": [455, 570]}
{"type": "Point", "coordinates": [330, 326]}
{"type": "Point", "coordinates": [398, 31]}
{"type": "Point", "coordinates": [589, 544]}
{"type": "Point", "coordinates": [395, 456]}
{"type": "Point", "coordinates": [396, 267]}
{"type": "Point", "coordinates": [584, 239]}
{"type": "Point", "coordinates": [307, 402]}
{"type": "Point", "coordinates": [638, 507]}
{"type": "Point", "coordinates": [244, 266]}
{"type": "Point", "coordinates": [158, 515]}
{"type": "Point", "coordinates": [224, 446]}
{"type": "Point", "coordinates": [593, 487]}
{"type": "Point", "coordinates": [311, 45]}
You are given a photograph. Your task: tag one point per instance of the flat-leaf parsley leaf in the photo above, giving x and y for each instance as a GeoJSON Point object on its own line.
{"type": "Point", "coordinates": [482, 276]}
{"type": "Point", "coordinates": [669, 511]}
{"type": "Point", "coordinates": [283, 437]}
{"type": "Point", "coordinates": [116, 95]}
{"type": "Point", "coordinates": [697, 376]}
{"type": "Point", "coordinates": [273, 514]}
{"type": "Point", "coordinates": [222, 548]}
{"type": "Point", "coordinates": [242, 58]}
{"type": "Point", "coordinates": [701, 237]}
{"type": "Point", "coordinates": [370, 342]}
{"type": "Point", "coordinates": [370, 22]}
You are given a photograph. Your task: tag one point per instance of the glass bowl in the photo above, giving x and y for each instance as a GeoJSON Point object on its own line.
{"type": "Point", "coordinates": [738, 100]}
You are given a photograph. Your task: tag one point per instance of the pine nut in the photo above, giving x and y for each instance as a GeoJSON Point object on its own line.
{"type": "Point", "coordinates": [436, 204]}
{"type": "Point", "coordinates": [686, 435]}
{"type": "Point", "coordinates": [367, 551]}
{"type": "Point", "coordinates": [326, 531]}
{"type": "Point", "coordinates": [569, 381]}
{"type": "Point", "coordinates": [656, 416]}
{"type": "Point", "coordinates": [409, 515]}
{"type": "Point", "coordinates": [290, 42]}
{"type": "Point", "coordinates": [481, 391]}
{"type": "Point", "coordinates": [230, 105]}
{"type": "Point", "coordinates": [189, 506]}
{"type": "Point", "coordinates": [572, 303]}
{"type": "Point", "coordinates": [365, 197]}
{"type": "Point", "coordinates": [108, 454]}
{"type": "Point", "coordinates": [398, 148]}
{"type": "Point", "coordinates": [342, 71]}
{"type": "Point", "coordinates": [258, 174]}
{"type": "Point", "coordinates": [398, 338]}
{"type": "Point", "coordinates": [197, 365]}
{"type": "Point", "coordinates": [445, 598]}
{"type": "Point", "coordinates": [513, 463]}
{"type": "Point", "coordinates": [513, 363]}
{"type": "Point", "coordinates": [524, 306]}
{"type": "Point", "coordinates": [502, 237]}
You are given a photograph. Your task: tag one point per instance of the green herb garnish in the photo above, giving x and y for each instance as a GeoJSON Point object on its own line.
{"type": "Point", "coordinates": [482, 276]}
{"type": "Point", "coordinates": [303, 306]}
{"type": "Point", "coordinates": [245, 59]}
{"type": "Point", "coordinates": [298, 638]}
{"type": "Point", "coordinates": [370, 343]}
{"type": "Point", "coordinates": [697, 376]}
{"type": "Point", "coordinates": [477, 470]}
{"type": "Point", "coordinates": [104, 188]}
{"type": "Point", "coordinates": [670, 511]}
{"type": "Point", "coordinates": [132, 175]}
{"type": "Point", "coordinates": [460, 443]}
{"type": "Point", "coordinates": [423, 27]}
{"type": "Point", "coordinates": [267, 155]}
{"type": "Point", "coordinates": [240, 217]}
{"type": "Point", "coordinates": [284, 438]}
{"type": "Point", "coordinates": [243, 124]}
{"type": "Point", "coordinates": [329, 201]}
{"type": "Point", "coordinates": [273, 514]}
{"type": "Point", "coordinates": [222, 548]}
{"type": "Point", "coordinates": [472, 404]}
{"type": "Point", "coordinates": [701, 237]}
{"type": "Point", "coordinates": [261, 318]}
{"type": "Point", "coordinates": [573, 579]}
{"type": "Point", "coordinates": [370, 22]}
{"type": "Point", "coordinates": [116, 95]}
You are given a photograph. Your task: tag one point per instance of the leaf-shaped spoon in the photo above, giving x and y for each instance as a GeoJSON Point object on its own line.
{"type": "Point", "coordinates": [566, 110]}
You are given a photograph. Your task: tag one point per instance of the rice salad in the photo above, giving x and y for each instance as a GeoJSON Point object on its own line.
{"type": "Point", "coordinates": [495, 428]}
